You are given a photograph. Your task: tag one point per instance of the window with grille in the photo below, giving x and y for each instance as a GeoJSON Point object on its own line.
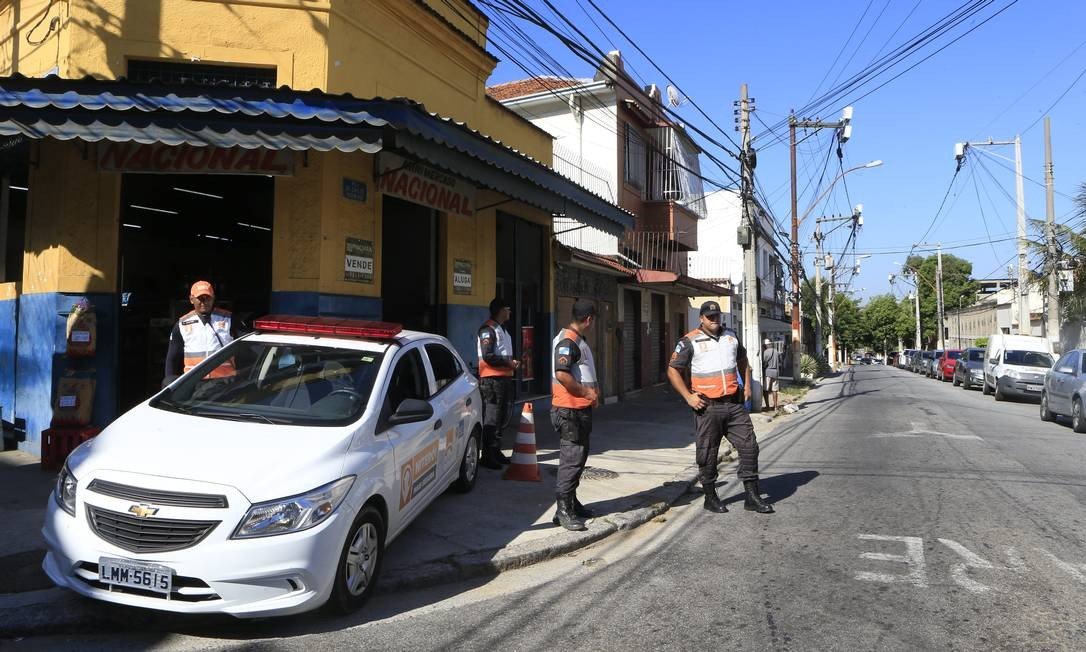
{"type": "Point", "coordinates": [636, 163]}
{"type": "Point", "coordinates": [200, 74]}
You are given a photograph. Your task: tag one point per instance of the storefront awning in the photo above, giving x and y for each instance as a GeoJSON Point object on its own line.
{"type": "Point", "coordinates": [680, 284]}
{"type": "Point", "coordinates": [92, 110]}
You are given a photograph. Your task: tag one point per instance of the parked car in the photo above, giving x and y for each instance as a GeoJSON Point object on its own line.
{"type": "Point", "coordinates": [944, 366]}
{"type": "Point", "coordinates": [1065, 390]}
{"type": "Point", "coordinates": [933, 363]}
{"type": "Point", "coordinates": [276, 489]}
{"type": "Point", "coordinates": [969, 368]}
{"type": "Point", "coordinates": [920, 361]}
{"type": "Point", "coordinates": [1015, 365]}
{"type": "Point", "coordinates": [905, 360]}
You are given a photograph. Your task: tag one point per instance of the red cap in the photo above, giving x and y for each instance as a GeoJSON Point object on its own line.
{"type": "Point", "coordinates": [200, 288]}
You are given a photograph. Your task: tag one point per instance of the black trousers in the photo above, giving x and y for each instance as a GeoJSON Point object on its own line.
{"type": "Point", "coordinates": [573, 428]}
{"type": "Point", "coordinates": [719, 420]}
{"type": "Point", "coordinates": [496, 391]}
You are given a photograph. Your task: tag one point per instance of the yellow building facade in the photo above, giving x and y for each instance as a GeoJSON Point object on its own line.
{"type": "Point", "coordinates": [82, 224]}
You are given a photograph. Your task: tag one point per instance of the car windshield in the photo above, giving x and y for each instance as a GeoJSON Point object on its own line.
{"type": "Point", "coordinates": [976, 355]}
{"type": "Point", "coordinates": [278, 383]}
{"type": "Point", "coordinates": [1027, 358]}
{"type": "Point", "coordinates": [953, 355]}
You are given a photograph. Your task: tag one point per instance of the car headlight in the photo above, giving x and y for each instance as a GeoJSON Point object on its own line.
{"type": "Point", "coordinates": [1011, 373]}
{"type": "Point", "coordinates": [293, 514]}
{"type": "Point", "coordinates": [65, 490]}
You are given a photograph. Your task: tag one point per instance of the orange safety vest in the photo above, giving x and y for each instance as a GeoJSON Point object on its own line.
{"type": "Point", "coordinates": [503, 347]}
{"type": "Point", "coordinates": [713, 366]}
{"type": "Point", "coordinates": [583, 372]}
{"type": "Point", "coordinates": [201, 340]}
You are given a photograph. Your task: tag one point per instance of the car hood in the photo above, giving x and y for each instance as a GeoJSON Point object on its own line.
{"type": "Point", "coordinates": [262, 461]}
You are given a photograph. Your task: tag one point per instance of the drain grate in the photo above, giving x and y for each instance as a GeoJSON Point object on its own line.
{"type": "Point", "coordinates": [590, 473]}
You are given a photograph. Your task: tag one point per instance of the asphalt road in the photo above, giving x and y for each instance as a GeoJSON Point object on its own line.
{"type": "Point", "coordinates": [911, 514]}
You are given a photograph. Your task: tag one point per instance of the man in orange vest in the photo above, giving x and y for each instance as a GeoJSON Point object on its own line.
{"type": "Point", "coordinates": [198, 334]}
{"type": "Point", "coordinates": [496, 368]}
{"type": "Point", "coordinates": [719, 385]}
{"type": "Point", "coordinates": [574, 392]}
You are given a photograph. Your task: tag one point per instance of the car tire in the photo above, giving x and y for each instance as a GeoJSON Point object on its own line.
{"type": "Point", "coordinates": [1046, 414]}
{"type": "Point", "coordinates": [469, 465]}
{"type": "Point", "coordinates": [362, 553]}
{"type": "Point", "coordinates": [955, 380]}
{"type": "Point", "coordinates": [1078, 419]}
{"type": "Point", "coordinates": [984, 387]}
{"type": "Point", "coordinates": [998, 392]}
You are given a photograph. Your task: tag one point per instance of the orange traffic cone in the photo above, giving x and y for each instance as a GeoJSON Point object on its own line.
{"type": "Point", "coordinates": [524, 466]}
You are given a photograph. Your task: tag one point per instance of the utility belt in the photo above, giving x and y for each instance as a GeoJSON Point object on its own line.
{"type": "Point", "coordinates": [737, 397]}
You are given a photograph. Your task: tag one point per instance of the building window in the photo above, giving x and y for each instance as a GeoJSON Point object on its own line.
{"type": "Point", "coordinates": [200, 74]}
{"type": "Point", "coordinates": [636, 164]}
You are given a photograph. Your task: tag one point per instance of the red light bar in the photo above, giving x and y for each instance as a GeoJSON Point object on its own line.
{"type": "Point", "coordinates": [328, 326]}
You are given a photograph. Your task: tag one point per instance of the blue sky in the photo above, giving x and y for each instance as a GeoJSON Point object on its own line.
{"type": "Point", "coordinates": [996, 81]}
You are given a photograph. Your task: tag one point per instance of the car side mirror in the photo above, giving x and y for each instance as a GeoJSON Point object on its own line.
{"type": "Point", "coordinates": [411, 410]}
{"type": "Point", "coordinates": [993, 360]}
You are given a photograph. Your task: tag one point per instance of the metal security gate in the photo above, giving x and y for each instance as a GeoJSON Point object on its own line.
{"type": "Point", "coordinates": [656, 337]}
{"type": "Point", "coordinates": [631, 341]}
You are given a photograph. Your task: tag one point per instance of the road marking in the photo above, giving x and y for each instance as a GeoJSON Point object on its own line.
{"type": "Point", "coordinates": [917, 431]}
{"type": "Point", "coordinates": [913, 557]}
{"type": "Point", "coordinates": [972, 560]}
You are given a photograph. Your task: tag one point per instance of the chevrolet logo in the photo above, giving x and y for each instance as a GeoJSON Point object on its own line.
{"type": "Point", "coordinates": [143, 510]}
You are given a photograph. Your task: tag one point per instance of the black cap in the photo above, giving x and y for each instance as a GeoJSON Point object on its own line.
{"type": "Point", "coordinates": [496, 305]}
{"type": "Point", "coordinates": [583, 309]}
{"type": "Point", "coordinates": [710, 308]}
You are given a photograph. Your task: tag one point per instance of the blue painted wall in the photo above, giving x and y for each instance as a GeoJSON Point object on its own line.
{"type": "Point", "coordinates": [463, 325]}
{"type": "Point", "coordinates": [325, 305]}
{"type": "Point", "coordinates": [8, 316]}
{"type": "Point", "coordinates": [41, 359]}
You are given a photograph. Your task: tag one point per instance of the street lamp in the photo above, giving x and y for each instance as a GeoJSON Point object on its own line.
{"type": "Point", "coordinates": [796, 220]}
{"type": "Point", "coordinates": [916, 300]}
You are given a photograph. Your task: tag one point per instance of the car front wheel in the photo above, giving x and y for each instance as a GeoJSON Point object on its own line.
{"type": "Point", "coordinates": [984, 387]}
{"type": "Point", "coordinates": [1046, 414]}
{"type": "Point", "coordinates": [998, 392]}
{"type": "Point", "coordinates": [359, 562]}
{"type": "Point", "coordinates": [1078, 419]}
{"type": "Point", "coordinates": [469, 464]}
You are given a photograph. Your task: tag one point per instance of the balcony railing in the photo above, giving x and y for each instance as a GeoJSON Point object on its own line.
{"type": "Point", "coordinates": [587, 174]}
{"type": "Point", "coordinates": [655, 251]}
{"type": "Point", "coordinates": [674, 171]}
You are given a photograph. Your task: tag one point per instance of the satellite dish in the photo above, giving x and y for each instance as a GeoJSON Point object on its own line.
{"type": "Point", "coordinates": [674, 97]}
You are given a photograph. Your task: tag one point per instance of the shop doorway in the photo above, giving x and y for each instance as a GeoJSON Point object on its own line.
{"type": "Point", "coordinates": [409, 278]}
{"type": "Point", "coordinates": [176, 229]}
{"type": "Point", "coordinates": [520, 282]}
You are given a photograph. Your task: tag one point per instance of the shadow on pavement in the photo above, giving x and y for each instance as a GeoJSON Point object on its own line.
{"type": "Point", "coordinates": [778, 487]}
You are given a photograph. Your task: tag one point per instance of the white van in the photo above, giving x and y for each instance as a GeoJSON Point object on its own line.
{"type": "Point", "coordinates": [1015, 365]}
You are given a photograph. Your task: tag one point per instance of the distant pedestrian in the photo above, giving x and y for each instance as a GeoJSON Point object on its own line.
{"type": "Point", "coordinates": [770, 374]}
{"type": "Point", "coordinates": [496, 368]}
{"type": "Point", "coordinates": [716, 361]}
{"type": "Point", "coordinates": [198, 334]}
{"type": "Point", "coordinates": [574, 392]}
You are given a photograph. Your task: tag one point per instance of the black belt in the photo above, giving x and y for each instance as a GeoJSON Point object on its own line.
{"type": "Point", "coordinates": [730, 398]}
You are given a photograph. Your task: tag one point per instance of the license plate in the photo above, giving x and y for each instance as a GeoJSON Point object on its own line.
{"type": "Point", "coordinates": [122, 572]}
{"type": "Point", "coordinates": [1034, 388]}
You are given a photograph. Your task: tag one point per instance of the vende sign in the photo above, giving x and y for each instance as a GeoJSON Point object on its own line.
{"type": "Point", "coordinates": [424, 185]}
{"type": "Point", "coordinates": [188, 159]}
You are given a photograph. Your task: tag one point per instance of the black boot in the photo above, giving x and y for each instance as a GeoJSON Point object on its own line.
{"type": "Point", "coordinates": [580, 510]}
{"type": "Point", "coordinates": [499, 455]}
{"type": "Point", "coordinates": [487, 460]}
{"type": "Point", "coordinates": [754, 501]}
{"type": "Point", "coordinates": [712, 501]}
{"type": "Point", "coordinates": [565, 515]}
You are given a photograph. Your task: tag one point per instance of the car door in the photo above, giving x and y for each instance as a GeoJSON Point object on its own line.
{"type": "Point", "coordinates": [449, 401]}
{"type": "Point", "coordinates": [414, 445]}
{"type": "Point", "coordinates": [1056, 386]}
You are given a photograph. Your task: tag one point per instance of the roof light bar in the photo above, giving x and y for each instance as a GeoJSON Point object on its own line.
{"type": "Point", "coordinates": [328, 326]}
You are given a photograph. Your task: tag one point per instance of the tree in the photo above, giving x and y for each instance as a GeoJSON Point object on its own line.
{"type": "Point", "coordinates": [879, 320]}
{"type": "Point", "coordinates": [850, 332]}
{"type": "Point", "coordinates": [957, 282]}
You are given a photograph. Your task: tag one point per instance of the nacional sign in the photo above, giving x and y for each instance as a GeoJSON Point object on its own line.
{"type": "Point", "coordinates": [188, 159]}
{"type": "Point", "coordinates": [424, 185]}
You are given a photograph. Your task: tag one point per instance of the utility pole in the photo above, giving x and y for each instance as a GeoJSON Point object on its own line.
{"type": "Point", "coordinates": [845, 127]}
{"type": "Point", "coordinates": [831, 269]}
{"type": "Point", "coordinates": [1025, 326]}
{"type": "Point", "coordinates": [916, 300]}
{"type": "Point", "coordinates": [939, 296]}
{"type": "Point", "coordinates": [1052, 322]}
{"type": "Point", "coordinates": [818, 286]}
{"type": "Point", "coordinates": [751, 327]}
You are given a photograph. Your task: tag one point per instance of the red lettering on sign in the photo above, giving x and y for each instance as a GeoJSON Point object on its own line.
{"type": "Point", "coordinates": [269, 163]}
{"type": "Point", "coordinates": [141, 159]}
{"type": "Point", "coordinates": [222, 159]}
{"type": "Point", "coordinates": [197, 157]}
{"type": "Point", "coordinates": [431, 195]}
{"type": "Point", "coordinates": [250, 160]}
{"type": "Point", "coordinates": [401, 186]}
{"type": "Point", "coordinates": [116, 154]}
{"type": "Point", "coordinates": [413, 186]}
{"type": "Point", "coordinates": [161, 157]}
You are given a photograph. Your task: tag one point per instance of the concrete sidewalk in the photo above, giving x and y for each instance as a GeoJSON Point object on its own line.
{"type": "Point", "coordinates": [642, 461]}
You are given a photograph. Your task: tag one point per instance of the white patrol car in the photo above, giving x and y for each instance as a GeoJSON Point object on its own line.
{"type": "Point", "coordinates": [273, 491]}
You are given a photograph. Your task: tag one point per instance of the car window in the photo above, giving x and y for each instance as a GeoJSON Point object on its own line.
{"type": "Point", "coordinates": [953, 355]}
{"type": "Point", "coordinates": [976, 355]}
{"type": "Point", "coordinates": [408, 381]}
{"type": "Point", "coordinates": [278, 383]}
{"type": "Point", "coordinates": [1073, 360]}
{"type": "Point", "coordinates": [1027, 358]}
{"type": "Point", "coordinates": [445, 365]}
